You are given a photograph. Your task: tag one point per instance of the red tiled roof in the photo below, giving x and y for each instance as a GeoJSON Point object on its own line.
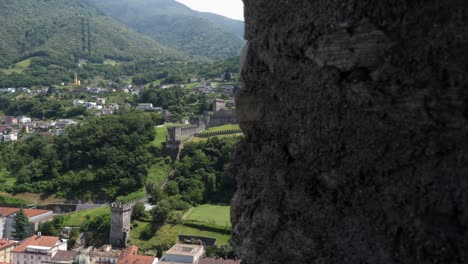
{"type": "Point", "coordinates": [218, 261]}
{"type": "Point", "coordinates": [43, 241]}
{"type": "Point", "coordinates": [129, 256]}
{"type": "Point", "coordinates": [35, 212]}
{"type": "Point", "coordinates": [5, 243]}
{"type": "Point", "coordinates": [6, 211]}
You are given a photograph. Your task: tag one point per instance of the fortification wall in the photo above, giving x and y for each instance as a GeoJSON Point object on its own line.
{"type": "Point", "coordinates": [222, 117]}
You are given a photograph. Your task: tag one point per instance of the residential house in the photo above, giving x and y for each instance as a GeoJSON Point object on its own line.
{"type": "Point", "coordinates": [130, 256]}
{"type": "Point", "coordinates": [107, 111]}
{"type": "Point", "coordinates": [6, 246]}
{"type": "Point", "coordinates": [148, 107]}
{"type": "Point", "coordinates": [8, 90]}
{"type": "Point", "coordinates": [101, 101]}
{"type": "Point", "coordinates": [24, 120]}
{"type": "Point", "coordinates": [38, 249]}
{"type": "Point", "coordinates": [11, 121]}
{"type": "Point", "coordinates": [182, 253]}
{"type": "Point", "coordinates": [90, 105]}
{"type": "Point", "coordinates": [7, 219]}
{"type": "Point", "coordinates": [104, 255]}
{"type": "Point", "coordinates": [114, 106]}
{"type": "Point", "coordinates": [10, 137]}
{"type": "Point", "coordinates": [64, 257]}
{"type": "Point", "coordinates": [78, 102]}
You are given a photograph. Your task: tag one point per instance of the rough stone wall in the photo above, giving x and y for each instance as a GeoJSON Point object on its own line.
{"type": "Point", "coordinates": [223, 117]}
{"type": "Point", "coordinates": [355, 115]}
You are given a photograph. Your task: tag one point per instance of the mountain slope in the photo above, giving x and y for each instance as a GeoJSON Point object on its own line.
{"type": "Point", "coordinates": [177, 26]}
{"type": "Point", "coordinates": [54, 27]}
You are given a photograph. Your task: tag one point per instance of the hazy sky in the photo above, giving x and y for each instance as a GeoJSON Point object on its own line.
{"type": "Point", "coordinates": [229, 8]}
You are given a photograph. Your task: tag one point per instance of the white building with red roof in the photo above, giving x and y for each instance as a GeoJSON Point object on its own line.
{"type": "Point", "coordinates": [38, 249]}
{"type": "Point", "coordinates": [35, 217]}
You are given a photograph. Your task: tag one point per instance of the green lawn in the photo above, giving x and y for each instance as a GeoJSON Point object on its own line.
{"type": "Point", "coordinates": [161, 133]}
{"type": "Point", "coordinates": [225, 127]}
{"type": "Point", "coordinates": [19, 67]}
{"type": "Point", "coordinates": [167, 234]}
{"type": "Point", "coordinates": [214, 214]}
{"type": "Point", "coordinates": [192, 85]}
{"type": "Point", "coordinates": [110, 62]}
{"type": "Point", "coordinates": [77, 218]}
{"type": "Point", "coordinates": [158, 172]}
{"type": "Point", "coordinates": [221, 239]}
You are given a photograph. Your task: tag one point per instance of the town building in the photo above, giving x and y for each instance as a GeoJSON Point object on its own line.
{"type": "Point", "coordinates": [104, 255]}
{"type": "Point", "coordinates": [182, 253]}
{"type": "Point", "coordinates": [130, 256]}
{"type": "Point", "coordinates": [6, 246]}
{"type": "Point", "coordinates": [38, 249]}
{"type": "Point", "coordinates": [7, 219]}
{"type": "Point", "coordinates": [64, 257]}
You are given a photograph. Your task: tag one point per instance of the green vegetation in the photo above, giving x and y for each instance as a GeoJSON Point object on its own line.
{"type": "Point", "coordinates": [21, 226]}
{"type": "Point", "coordinates": [222, 128]}
{"type": "Point", "coordinates": [177, 26]}
{"type": "Point", "coordinates": [146, 237]}
{"type": "Point", "coordinates": [103, 157]}
{"type": "Point", "coordinates": [159, 171]}
{"type": "Point", "coordinates": [13, 202]}
{"type": "Point", "coordinates": [55, 31]}
{"type": "Point", "coordinates": [213, 214]}
{"type": "Point", "coordinates": [78, 218]}
{"type": "Point", "coordinates": [132, 196]}
{"type": "Point", "coordinates": [161, 133]}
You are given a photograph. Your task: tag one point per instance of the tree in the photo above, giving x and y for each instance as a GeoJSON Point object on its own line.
{"type": "Point", "coordinates": [161, 211]}
{"type": "Point", "coordinates": [21, 226]}
{"type": "Point", "coordinates": [138, 210]}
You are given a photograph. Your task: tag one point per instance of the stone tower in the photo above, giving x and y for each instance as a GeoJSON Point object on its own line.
{"type": "Point", "coordinates": [120, 224]}
{"type": "Point", "coordinates": [218, 104]}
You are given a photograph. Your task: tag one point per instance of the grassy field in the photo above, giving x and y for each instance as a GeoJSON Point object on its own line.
{"type": "Point", "coordinates": [167, 234]}
{"type": "Point", "coordinates": [161, 133]}
{"type": "Point", "coordinates": [77, 218]}
{"type": "Point", "coordinates": [20, 67]}
{"type": "Point", "coordinates": [158, 172]}
{"type": "Point", "coordinates": [110, 62]}
{"type": "Point", "coordinates": [214, 214]}
{"type": "Point", "coordinates": [225, 127]}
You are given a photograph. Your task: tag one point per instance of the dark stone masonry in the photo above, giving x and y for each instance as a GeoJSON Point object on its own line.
{"type": "Point", "coordinates": [355, 115]}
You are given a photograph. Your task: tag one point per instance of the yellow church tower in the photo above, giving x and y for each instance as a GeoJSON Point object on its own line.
{"type": "Point", "coordinates": [76, 82]}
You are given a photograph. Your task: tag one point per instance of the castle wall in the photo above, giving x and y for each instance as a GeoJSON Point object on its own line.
{"type": "Point", "coordinates": [223, 117]}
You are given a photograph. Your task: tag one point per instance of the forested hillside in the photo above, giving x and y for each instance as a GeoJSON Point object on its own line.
{"type": "Point", "coordinates": [68, 30]}
{"type": "Point", "coordinates": [177, 26]}
{"type": "Point", "coordinates": [102, 158]}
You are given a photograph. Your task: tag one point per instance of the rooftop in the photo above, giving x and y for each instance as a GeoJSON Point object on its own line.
{"type": "Point", "coordinates": [6, 211]}
{"type": "Point", "coordinates": [37, 241]}
{"type": "Point", "coordinates": [5, 243]}
{"type": "Point", "coordinates": [129, 256]}
{"type": "Point", "coordinates": [63, 255]}
{"type": "Point", "coordinates": [184, 250]}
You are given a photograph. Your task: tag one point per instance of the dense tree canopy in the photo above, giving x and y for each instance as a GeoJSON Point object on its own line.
{"type": "Point", "coordinates": [103, 157]}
